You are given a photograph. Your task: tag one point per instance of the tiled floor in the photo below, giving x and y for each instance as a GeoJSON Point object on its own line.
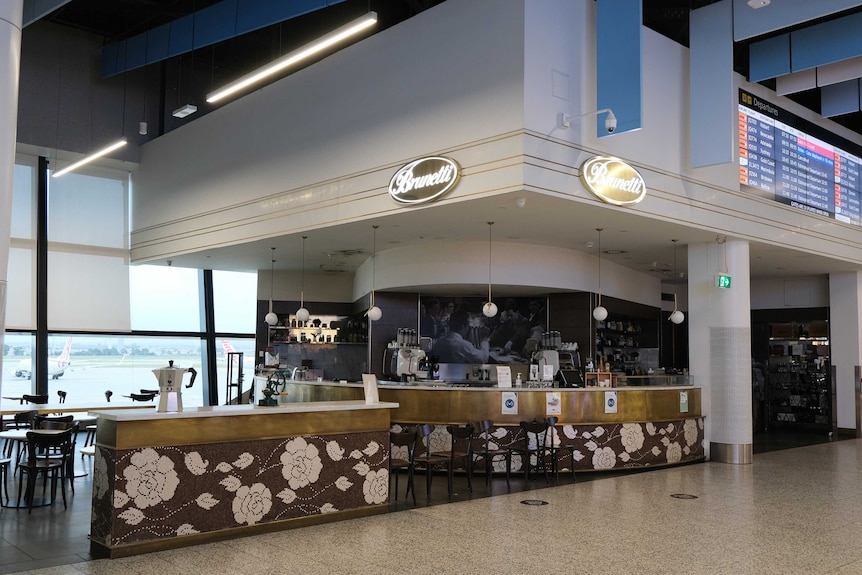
{"type": "Point", "coordinates": [793, 511]}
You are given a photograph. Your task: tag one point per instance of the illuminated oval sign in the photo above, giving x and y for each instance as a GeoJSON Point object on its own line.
{"type": "Point", "coordinates": [613, 181]}
{"type": "Point", "coordinates": [424, 180]}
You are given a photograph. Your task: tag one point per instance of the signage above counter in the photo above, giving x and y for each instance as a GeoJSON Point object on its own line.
{"type": "Point", "coordinates": [613, 181]}
{"type": "Point", "coordinates": [424, 180]}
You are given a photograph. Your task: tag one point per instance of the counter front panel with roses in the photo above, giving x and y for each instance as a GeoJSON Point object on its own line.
{"type": "Point", "coordinates": [648, 426]}
{"type": "Point", "coordinates": [160, 495]}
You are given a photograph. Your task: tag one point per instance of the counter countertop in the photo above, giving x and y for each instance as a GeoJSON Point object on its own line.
{"type": "Point", "coordinates": [239, 410]}
{"type": "Point", "coordinates": [443, 386]}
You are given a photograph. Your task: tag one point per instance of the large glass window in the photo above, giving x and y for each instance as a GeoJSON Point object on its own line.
{"type": "Point", "coordinates": [235, 299]}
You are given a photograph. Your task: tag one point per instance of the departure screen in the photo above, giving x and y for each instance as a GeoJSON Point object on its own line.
{"type": "Point", "coordinates": [796, 162]}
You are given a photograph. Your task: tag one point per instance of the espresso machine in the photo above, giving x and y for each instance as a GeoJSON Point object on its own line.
{"type": "Point", "coordinates": [171, 386]}
{"type": "Point", "coordinates": [404, 359]}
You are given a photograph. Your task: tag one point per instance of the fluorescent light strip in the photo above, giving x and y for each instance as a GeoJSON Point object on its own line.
{"type": "Point", "coordinates": [90, 158]}
{"type": "Point", "coordinates": [275, 66]}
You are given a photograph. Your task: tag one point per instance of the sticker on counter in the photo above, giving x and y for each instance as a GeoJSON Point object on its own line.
{"type": "Point", "coordinates": [510, 403]}
{"type": "Point", "coordinates": [504, 376]}
{"type": "Point", "coordinates": [683, 402]}
{"type": "Point", "coordinates": [553, 405]}
{"type": "Point", "coordinates": [610, 402]}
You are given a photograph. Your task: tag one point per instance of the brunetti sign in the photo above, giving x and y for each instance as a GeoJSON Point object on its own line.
{"type": "Point", "coordinates": [613, 181]}
{"type": "Point", "coordinates": [424, 180]}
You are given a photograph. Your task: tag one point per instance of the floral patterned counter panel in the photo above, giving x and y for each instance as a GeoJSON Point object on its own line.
{"type": "Point", "coordinates": [153, 493]}
{"type": "Point", "coordinates": [600, 447]}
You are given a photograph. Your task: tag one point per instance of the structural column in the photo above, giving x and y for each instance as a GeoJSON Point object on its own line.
{"type": "Point", "coordinates": [845, 335]}
{"type": "Point", "coordinates": [720, 346]}
{"type": "Point", "coordinates": [11, 19]}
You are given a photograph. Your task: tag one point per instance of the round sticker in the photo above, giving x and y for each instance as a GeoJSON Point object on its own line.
{"type": "Point", "coordinates": [510, 403]}
{"type": "Point", "coordinates": [611, 402]}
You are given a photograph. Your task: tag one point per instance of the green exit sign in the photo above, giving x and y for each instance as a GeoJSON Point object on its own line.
{"type": "Point", "coordinates": [722, 281]}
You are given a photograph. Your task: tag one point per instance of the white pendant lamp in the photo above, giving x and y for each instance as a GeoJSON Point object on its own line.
{"type": "Point", "coordinates": [271, 318]}
{"type": "Point", "coordinates": [600, 313]}
{"type": "Point", "coordinates": [302, 313]}
{"type": "Point", "coordinates": [374, 313]}
{"type": "Point", "coordinates": [490, 308]}
{"type": "Point", "coordinates": [676, 316]}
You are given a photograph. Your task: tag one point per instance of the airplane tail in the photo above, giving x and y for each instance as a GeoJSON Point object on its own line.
{"type": "Point", "coordinates": [67, 352]}
{"type": "Point", "coordinates": [228, 348]}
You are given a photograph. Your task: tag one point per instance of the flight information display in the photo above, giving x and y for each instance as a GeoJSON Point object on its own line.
{"type": "Point", "coordinates": [797, 162]}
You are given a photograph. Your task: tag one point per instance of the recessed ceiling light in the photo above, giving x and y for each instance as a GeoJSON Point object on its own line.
{"type": "Point", "coordinates": [758, 3]}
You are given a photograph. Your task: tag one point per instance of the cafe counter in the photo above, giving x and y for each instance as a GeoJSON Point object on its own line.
{"type": "Point", "coordinates": [611, 428]}
{"type": "Point", "coordinates": [164, 480]}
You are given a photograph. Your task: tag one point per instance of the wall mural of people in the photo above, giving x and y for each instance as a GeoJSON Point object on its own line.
{"type": "Point", "coordinates": [460, 333]}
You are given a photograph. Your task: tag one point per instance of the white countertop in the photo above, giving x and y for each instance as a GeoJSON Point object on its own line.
{"type": "Point", "coordinates": [442, 386]}
{"type": "Point", "coordinates": [239, 410]}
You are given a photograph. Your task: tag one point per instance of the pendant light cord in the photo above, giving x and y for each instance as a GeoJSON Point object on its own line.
{"type": "Point", "coordinates": [600, 265]}
{"type": "Point", "coordinates": [302, 276]}
{"type": "Point", "coordinates": [489, 260]}
{"type": "Point", "coordinates": [271, 276]}
{"type": "Point", "coordinates": [373, 263]}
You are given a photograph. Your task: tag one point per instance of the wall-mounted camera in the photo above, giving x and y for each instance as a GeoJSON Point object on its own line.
{"type": "Point", "coordinates": [611, 122]}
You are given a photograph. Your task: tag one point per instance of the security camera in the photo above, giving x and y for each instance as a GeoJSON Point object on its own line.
{"type": "Point", "coordinates": [611, 123]}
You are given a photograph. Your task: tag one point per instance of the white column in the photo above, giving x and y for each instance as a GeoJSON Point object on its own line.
{"type": "Point", "coordinates": [11, 18]}
{"type": "Point", "coordinates": [720, 346]}
{"type": "Point", "coordinates": [845, 335]}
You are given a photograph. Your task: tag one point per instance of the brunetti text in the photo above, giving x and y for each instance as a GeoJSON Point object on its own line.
{"type": "Point", "coordinates": [598, 177]}
{"type": "Point", "coordinates": [406, 181]}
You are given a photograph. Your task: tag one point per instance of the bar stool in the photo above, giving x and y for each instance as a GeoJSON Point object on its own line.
{"type": "Point", "coordinates": [400, 458]}
{"type": "Point", "coordinates": [426, 458]}
{"type": "Point", "coordinates": [534, 444]}
{"type": "Point", "coordinates": [486, 449]}
{"type": "Point", "coordinates": [461, 453]}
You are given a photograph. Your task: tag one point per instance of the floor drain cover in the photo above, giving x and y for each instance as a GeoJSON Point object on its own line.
{"type": "Point", "coordinates": [683, 496]}
{"type": "Point", "coordinates": [534, 502]}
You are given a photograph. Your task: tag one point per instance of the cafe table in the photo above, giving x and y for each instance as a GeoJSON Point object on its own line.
{"type": "Point", "coordinates": [18, 437]}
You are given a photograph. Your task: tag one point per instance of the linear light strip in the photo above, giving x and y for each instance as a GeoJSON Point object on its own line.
{"type": "Point", "coordinates": [87, 159]}
{"type": "Point", "coordinates": [297, 55]}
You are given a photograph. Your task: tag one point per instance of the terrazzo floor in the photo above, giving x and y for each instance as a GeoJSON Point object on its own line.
{"type": "Point", "coordinates": [794, 511]}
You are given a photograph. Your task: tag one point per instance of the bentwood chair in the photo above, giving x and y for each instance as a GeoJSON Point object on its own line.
{"type": "Point", "coordinates": [461, 453]}
{"type": "Point", "coordinates": [486, 448]}
{"type": "Point", "coordinates": [402, 447]}
{"type": "Point", "coordinates": [426, 459]}
{"type": "Point", "coordinates": [53, 469]}
{"type": "Point", "coordinates": [535, 448]}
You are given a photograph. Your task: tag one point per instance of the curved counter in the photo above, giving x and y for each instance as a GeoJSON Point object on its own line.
{"type": "Point", "coordinates": [644, 426]}
{"type": "Point", "coordinates": [164, 480]}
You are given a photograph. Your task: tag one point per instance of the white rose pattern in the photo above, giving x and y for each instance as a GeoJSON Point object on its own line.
{"type": "Point", "coordinates": [150, 479]}
{"type": "Point", "coordinates": [632, 437]}
{"type": "Point", "coordinates": [376, 487]}
{"type": "Point", "coordinates": [301, 463]}
{"type": "Point", "coordinates": [251, 503]}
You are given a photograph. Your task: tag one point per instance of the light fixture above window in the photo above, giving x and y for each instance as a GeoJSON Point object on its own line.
{"type": "Point", "coordinates": [184, 111]}
{"type": "Point", "coordinates": [302, 313]}
{"type": "Point", "coordinates": [87, 159]}
{"type": "Point", "coordinates": [322, 43]}
{"type": "Point", "coordinates": [271, 318]}
{"type": "Point", "coordinates": [600, 313]}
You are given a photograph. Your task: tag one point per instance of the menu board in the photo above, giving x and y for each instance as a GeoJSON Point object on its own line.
{"type": "Point", "coordinates": [797, 162]}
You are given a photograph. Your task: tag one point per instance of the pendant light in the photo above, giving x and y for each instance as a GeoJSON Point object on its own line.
{"type": "Point", "coordinates": [490, 308]}
{"type": "Point", "coordinates": [676, 316]}
{"type": "Point", "coordinates": [600, 313]}
{"type": "Point", "coordinates": [271, 318]}
{"type": "Point", "coordinates": [302, 313]}
{"type": "Point", "coordinates": [374, 313]}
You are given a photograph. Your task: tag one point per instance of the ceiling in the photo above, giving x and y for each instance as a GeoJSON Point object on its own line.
{"type": "Point", "coordinates": [643, 244]}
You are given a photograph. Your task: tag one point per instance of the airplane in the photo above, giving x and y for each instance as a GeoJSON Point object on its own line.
{"type": "Point", "coordinates": [56, 366]}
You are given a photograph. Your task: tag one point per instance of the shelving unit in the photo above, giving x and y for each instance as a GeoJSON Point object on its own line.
{"type": "Point", "coordinates": [318, 330]}
{"type": "Point", "coordinates": [629, 346]}
{"type": "Point", "coordinates": [798, 389]}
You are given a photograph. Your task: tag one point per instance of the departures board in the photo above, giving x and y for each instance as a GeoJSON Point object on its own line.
{"type": "Point", "coordinates": [796, 162]}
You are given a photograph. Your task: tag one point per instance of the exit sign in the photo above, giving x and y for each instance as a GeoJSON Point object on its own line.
{"type": "Point", "coordinates": [722, 281]}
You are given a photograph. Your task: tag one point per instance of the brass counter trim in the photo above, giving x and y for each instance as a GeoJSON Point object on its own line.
{"type": "Point", "coordinates": [195, 431]}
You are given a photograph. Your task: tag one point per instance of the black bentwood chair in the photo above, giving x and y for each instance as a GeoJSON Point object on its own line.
{"type": "Point", "coordinates": [53, 469]}
{"type": "Point", "coordinates": [405, 440]}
